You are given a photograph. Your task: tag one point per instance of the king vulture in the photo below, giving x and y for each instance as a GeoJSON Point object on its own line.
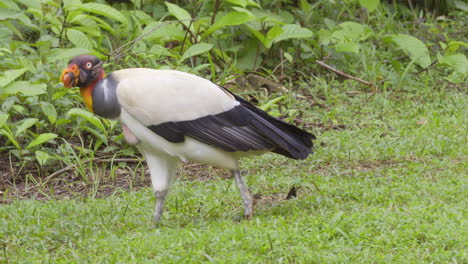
{"type": "Point", "coordinates": [173, 117]}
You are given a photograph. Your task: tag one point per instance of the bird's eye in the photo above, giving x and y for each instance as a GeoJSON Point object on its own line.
{"type": "Point", "coordinates": [88, 65]}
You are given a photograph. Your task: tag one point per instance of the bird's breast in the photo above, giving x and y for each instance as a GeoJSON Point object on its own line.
{"type": "Point", "coordinates": [105, 101]}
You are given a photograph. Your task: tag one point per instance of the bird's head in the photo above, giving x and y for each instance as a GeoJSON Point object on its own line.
{"type": "Point", "coordinates": [82, 71]}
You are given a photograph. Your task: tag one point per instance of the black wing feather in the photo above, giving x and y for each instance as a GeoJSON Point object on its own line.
{"type": "Point", "coordinates": [243, 128]}
{"type": "Point", "coordinates": [229, 131]}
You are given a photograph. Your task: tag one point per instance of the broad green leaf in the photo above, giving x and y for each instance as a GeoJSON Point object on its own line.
{"type": "Point", "coordinates": [49, 111]}
{"type": "Point", "coordinates": [3, 119]}
{"type": "Point", "coordinates": [253, 3]}
{"type": "Point", "coordinates": [25, 88]}
{"type": "Point", "coordinates": [243, 10]}
{"type": "Point", "coordinates": [6, 36]}
{"type": "Point", "coordinates": [347, 47]}
{"type": "Point", "coordinates": [31, 3]}
{"type": "Point", "coordinates": [347, 37]}
{"type": "Point", "coordinates": [269, 17]}
{"type": "Point", "coordinates": [9, 4]}
{"type": "Point", "coordinates": [454, 46]}
{"type": "Point", "coordinates": [257, 34]}
{"type": "Point", "coordinates": [94, 32]}
{"type": "Point", "coordinates": [79, 39]}
{"type": "Point", "coordinates": [104, 10]}
{"type": "Point", "coordinates": [84, 19]}
{"type": "Point", "coordinates": [6, 13]}
{"type": "Point", "coordinates": [458, 62]}
{"type": "Point", "coordinates": [330, 23]}
{"type": "Point", "coordinates": [88, 117]}
{"type": "Point", "coordinates": [461, 5]}
{"type": "Point", "coordinates": [304, 5]}
{"type": "Point", "coordinates": [103, 24]}
{"type": "Point", "coordinates": [18, 108]}
{"type": "Point", "coordinates": [247, 58]}
{"type": "Point", "coordinates": [42, 157]}
{"type": "Point", "coordinates": [352, 31]}
{"type": "Point", "coordinates": [12, 29]}
{"type": "Point", "coordinates": [273, 33]}
{"type": "Point", "coordinates": [196, 49]}
{"type": "Point", "coordinates": [293, 31]}
{"type": "Point", "coordinates": [92, 23]}
{"type": "Point", "coordinates": [11, 75]}
{"type": "Point", "coordinates": [25, 124]}
{"type": "Point", "coordinates": [160, 50]}
{"type": "Point", "coordinates": [456, 77]}
{"type": "Point", "coordinates": [25, 20]}
{"type": "Point", "coordinates": [179, 13]}
{"type": "Point", "coordinates": [98, 134]}
{"type": "Point", "coordinates": [158, 30]}
{"type": "Point", "coordinates": [413, 47]}
{"type": "Point", "coordinates": [10, 137]}
{"type": "Point", "coordinates": [229, 19]}
{"type": "Point", "coordinates": [370, 5]}
{"type": "Point", "coordinates": [289, 57]}
{"type": "Point", "coordinates": [243, 3]}
{"type": "Point", "coordinates": [71, 4]}
{"type": "Point", "coordinates": [142, 17]}
{"type": "Point", "coordinates": [66, 54]}
{"type": "Point", "coordinates": [41, 139]}
{"type": "Point", "coordinates": [325, 36]}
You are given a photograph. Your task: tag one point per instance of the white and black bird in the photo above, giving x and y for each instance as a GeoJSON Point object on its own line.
{"type": "Point", "coordinates": [173, 117]}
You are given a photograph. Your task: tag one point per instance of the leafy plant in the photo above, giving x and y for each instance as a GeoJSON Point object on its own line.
{"type": "Point", "coordinates": [279, 40]}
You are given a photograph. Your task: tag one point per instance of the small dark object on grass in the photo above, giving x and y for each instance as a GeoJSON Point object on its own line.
{"type": "Point", "coordinates": [292, 193]}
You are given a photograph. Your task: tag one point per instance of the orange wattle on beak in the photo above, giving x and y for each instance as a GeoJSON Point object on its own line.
{"type": "Point", "coordinates": [70, 76]}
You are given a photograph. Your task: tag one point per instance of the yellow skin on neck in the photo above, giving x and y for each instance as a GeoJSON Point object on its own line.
{"type": "Point", "coordinates": [87, 92]}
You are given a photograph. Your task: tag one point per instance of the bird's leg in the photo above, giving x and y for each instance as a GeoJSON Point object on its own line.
{"type": "Point", "coordinates": [160, 198]}
{"type": "Point", "coordinates": [163, 169]}
{"type": "Point", "coordinates": [247, 198]}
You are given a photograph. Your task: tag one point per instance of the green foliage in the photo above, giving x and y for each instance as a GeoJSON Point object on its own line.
{"type": "Point", "coordinates": [413, 47]}
{"type": "Point", "coordinates": [42, 138]}
{"type": "Point", "coordinates": [371, 5]}
{"type": "Point", "coordinates": [390, 190]}
{"type": "Point", "coordinates": [280, 40]}
{"type": "Point", "coordinates": [196, 49]}
{"type": "Point", "coordinates": [388, 162]}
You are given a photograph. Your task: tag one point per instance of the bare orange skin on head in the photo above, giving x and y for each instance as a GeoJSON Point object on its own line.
{"type": "Point", "coordinates": [66, 79]}
{"type": "Point", "coordinates": [69, 79]}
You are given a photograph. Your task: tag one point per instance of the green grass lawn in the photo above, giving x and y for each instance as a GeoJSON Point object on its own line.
{"type": "Point", "coordinates": [388, 188]}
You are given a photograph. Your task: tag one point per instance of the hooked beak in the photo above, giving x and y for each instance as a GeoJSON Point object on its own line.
{"type": "Point", "coordinates": [70, 76]}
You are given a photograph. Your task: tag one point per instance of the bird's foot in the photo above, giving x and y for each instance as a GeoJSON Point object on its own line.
{"type": "Point", "coordinates": [160, 198]}
{"type": "Point", "coordinates": [248, 212]}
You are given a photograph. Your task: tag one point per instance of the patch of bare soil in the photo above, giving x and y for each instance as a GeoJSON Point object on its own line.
{"type": "Point", "coordinates": [28, 182]}
{"type": "Point", "coordinates": [100, 181]}
{"type": "Point", "coordinates": [67, 183]}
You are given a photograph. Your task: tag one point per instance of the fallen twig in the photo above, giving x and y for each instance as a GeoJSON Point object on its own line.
{"type": "Point", "coordinates": [72, 167]}
{"type": "Point", "coordinates": [428, 67]}
{"type": "Point", "coordinates": [323, 64]}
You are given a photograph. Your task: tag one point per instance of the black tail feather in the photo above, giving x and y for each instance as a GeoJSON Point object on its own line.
{"type": "Point", "coordinates": [291, 141]}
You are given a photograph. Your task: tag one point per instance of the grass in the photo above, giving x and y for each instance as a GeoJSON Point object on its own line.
{"type": "Point", "coordinates": [390, 187]}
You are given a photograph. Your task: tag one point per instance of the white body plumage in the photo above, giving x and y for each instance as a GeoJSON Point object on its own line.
{"type": "Point", "coordinates": [151, 102]}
